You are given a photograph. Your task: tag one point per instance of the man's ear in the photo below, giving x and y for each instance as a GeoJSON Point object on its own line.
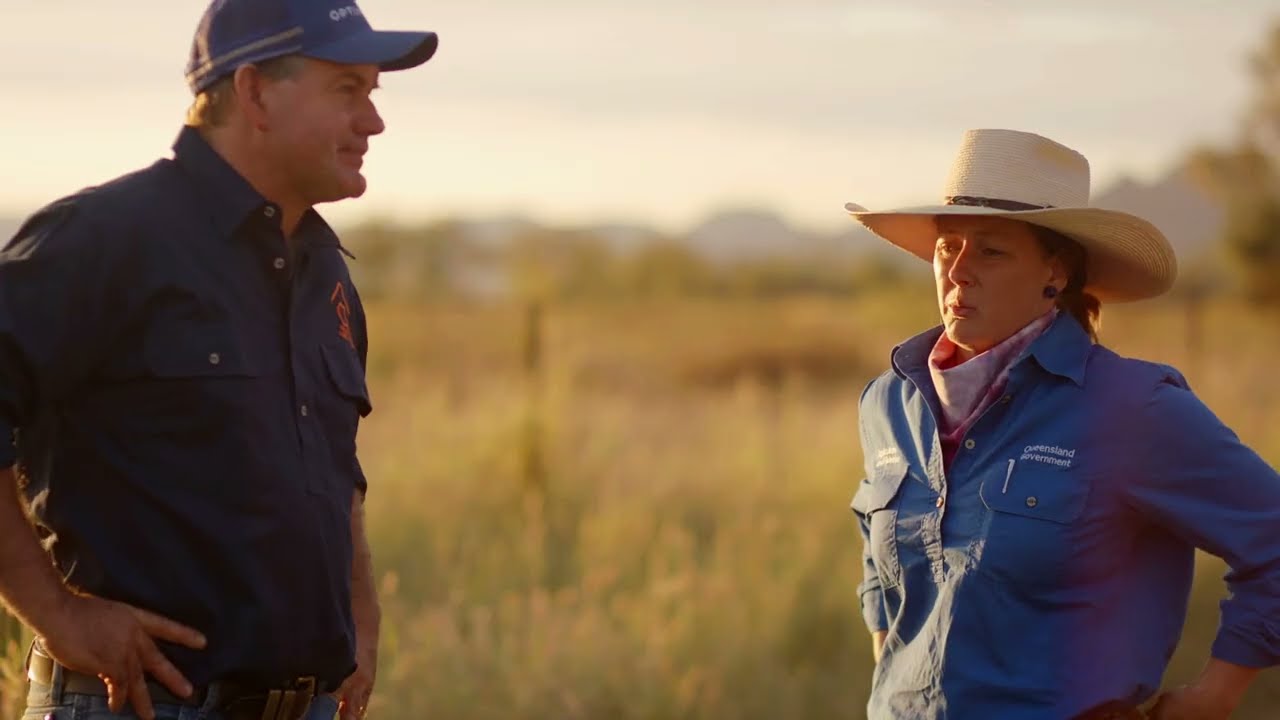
{"type": "Point", "coordinates": [248, 84]}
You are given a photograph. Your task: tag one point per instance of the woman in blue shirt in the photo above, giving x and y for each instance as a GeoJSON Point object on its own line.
{"type": "Point", "coordinates": [1033, 501]}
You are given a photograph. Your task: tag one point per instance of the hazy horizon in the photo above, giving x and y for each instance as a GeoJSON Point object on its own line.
{"type": "Point", "coordinates": [573, 112]}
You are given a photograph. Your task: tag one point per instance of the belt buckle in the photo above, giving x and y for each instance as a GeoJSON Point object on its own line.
{"type": "Point", "coordinates": [290, 704]}
{"type": "Point", "coordinates": [307, 686]}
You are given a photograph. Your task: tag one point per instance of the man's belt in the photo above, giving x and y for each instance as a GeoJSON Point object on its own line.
{"type": "Point", "coordinates": [236, 701]}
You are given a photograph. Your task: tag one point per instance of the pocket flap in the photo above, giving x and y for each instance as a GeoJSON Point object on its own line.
{"type": "Point", "coordinates": [347, 374]}
{"type": "Point", "coordinates": [196, 356]}
{"type": "Point", "coordinates": [1036, 491]}
{"type": "Point", "coordinates": [877, 491]}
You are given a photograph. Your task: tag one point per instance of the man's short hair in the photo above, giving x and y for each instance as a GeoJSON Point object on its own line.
{"type": "Point", "coordinates": [212, 106]}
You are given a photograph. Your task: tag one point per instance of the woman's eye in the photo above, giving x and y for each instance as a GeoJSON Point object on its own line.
{"type": "Point", "coordinates": [992, 252]}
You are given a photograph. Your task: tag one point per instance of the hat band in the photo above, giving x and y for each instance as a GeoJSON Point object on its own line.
{"type": "Point", "coordinates": [998, 204]}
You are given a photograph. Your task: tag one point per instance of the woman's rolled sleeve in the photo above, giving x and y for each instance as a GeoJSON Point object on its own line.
{"type": "Point", "coordinates": [869, 593]}
{"type": "Point", "coordinates": [1204, 485]}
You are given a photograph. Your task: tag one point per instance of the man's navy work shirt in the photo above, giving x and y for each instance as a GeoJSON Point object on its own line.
{"type": "Point", "coordinates": [183, 390]}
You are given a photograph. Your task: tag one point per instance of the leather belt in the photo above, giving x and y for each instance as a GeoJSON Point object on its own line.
{"type": "Point", "coordinates": [1113, 711]}
{"type": "Point", "coordinates": [235, 701]}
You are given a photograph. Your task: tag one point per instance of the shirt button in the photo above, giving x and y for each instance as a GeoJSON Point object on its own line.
{"type": "Point", "coordinates": [279, 263]}
{"type": "Point", "coordinates": [970, 444]}
{"type": "Point", "coordinates": [304, 410]}
{"type": "Point", "coordinates": [214, 358]}
{"type": "Point", "coordinates": [269, 211]}
{"type": "Point", "coordinates": [1032, 501]}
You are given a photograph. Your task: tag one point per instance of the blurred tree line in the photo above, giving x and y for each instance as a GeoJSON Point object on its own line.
{"type": "Point", "coordinates": [1246, 179]}
{"type": "Point", "coordinates": [446, 260]}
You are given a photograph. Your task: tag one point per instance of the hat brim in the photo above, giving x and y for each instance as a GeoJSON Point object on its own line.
{"type": "Point", "coordinates": [1129, 258]}
{"type": "Point", "coordinates": [389, 50]}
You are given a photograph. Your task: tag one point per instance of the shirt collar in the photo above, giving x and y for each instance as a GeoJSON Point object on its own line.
{"type": "Point", "coordinates": [1062, 350]}
{"type": "Point", "coordinates": [231, 199]}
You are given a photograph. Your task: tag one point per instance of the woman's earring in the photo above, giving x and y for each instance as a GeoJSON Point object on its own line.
{"type": "Point", "coordinates": [1050, 292]}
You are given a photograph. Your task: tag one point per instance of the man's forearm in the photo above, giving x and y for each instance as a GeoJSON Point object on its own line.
{"type": "Point", "coordinates": [364, 589]}
{"type": "Point", "coordinates": [29, 585]}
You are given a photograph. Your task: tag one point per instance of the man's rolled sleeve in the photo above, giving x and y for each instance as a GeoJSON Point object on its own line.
{"type": "Point", "coordinates": [1204, 485]}
{"type": "Point", "coordinates": [8, 455]}
{"type": "Point", "coordinates": [54, 276]}
{"type": "Point", "coordinates": [362, 350]}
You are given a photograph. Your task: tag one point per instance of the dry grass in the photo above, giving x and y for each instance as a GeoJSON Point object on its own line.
{"type": "Point", "coordinates": [661, 530]}
{"type": "Point", "coordinates": [685, 551]}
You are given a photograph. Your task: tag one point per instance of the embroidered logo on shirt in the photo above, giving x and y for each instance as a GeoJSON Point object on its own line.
{"type": "Point", "coordinates": [339, 300]}
{"type": "Point", "coordinates": [888, 456]}
{"type": "Point", "coordinates": [1049, 454]}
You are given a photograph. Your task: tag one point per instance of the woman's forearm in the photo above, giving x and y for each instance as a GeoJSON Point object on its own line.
{"type": "Point", "coordinates": [1227, 681]}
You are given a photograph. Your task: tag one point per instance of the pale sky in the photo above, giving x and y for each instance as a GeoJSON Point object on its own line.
{"type": "Point", "coordinates": [663, 111]}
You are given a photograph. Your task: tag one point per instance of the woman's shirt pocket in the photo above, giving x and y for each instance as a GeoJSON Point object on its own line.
{"type": "Point", "coordinates": [874, 502]}
{"type": "Point", "coordinates": [1034, 524]}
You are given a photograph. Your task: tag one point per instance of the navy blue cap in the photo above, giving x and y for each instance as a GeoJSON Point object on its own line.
{"type": "Point", "coordinates": [240, 32]}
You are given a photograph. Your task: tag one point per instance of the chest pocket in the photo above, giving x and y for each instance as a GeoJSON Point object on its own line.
{"type": "Point", "coordinates": [1034, 490]}
{"type": "Point", "coordinates": [211, 356]}
{"type": "Point", "coordinates": [193, 378]}
{"type": "Point", "coordinates": [874, 502]}
{"type": "Point", "coordinates": [342, 399]}
{"type": "Point", "coordinates": [1034, 525]}
{"type": "Point", "coordinates": [347, 376]}
{"type": "Point", "coordinates": [187, 337]}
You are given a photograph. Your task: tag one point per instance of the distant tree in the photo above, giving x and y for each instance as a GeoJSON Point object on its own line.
{"type": "Point", "coordinates": [1253, 235]}
{"type": "Point", "coordinates": [666, 268]}
{"type": "Point", "coordinates": [547, 263]}
{"type": "Point", "coordinates": [409, 262]}
{"type": "Point", "coordinates": [1246, 178]}
{"type": "Point", "coordinates": [1263, 120]}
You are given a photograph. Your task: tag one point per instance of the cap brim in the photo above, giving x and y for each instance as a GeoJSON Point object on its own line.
{"type": "Point", "coordinates": [388, 50]}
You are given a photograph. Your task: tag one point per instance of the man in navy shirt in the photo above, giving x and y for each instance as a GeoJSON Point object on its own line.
{"type": "Point", "coordinates": [182, 374]}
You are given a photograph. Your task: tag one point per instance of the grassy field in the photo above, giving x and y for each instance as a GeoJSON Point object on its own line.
{"type": "Point", "coordinates": [665, 534]}
{"type": "Point", "coordinates": [644, 513]}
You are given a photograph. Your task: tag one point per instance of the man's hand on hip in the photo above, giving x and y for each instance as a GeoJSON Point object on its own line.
{"type": "Point", "coordinates": [356, 690]}
{"type": "Point", "coordinates": [116, 642]}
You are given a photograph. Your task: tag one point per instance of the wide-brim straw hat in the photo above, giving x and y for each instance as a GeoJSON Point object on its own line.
{"type": "Point", "coordinates": [1023, 176]}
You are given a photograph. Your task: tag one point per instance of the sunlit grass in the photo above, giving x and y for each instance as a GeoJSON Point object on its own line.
{"type": "Point", "coordinates": [692, 555]}
{"type": "Point", "coordinates": [654, 523]}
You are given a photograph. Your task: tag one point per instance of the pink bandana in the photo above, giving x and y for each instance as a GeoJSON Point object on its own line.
{"type": "Point", "coordinates": [965, 390]}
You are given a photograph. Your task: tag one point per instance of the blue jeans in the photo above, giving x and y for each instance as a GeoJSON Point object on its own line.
{"type": "Point", "coordinates": [42, 704]}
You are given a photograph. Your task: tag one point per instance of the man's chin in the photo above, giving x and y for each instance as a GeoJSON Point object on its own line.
{"type": "Point", "coordinates": [345, 189]}
{"type": "Point", "coordinates": [354, 185]}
